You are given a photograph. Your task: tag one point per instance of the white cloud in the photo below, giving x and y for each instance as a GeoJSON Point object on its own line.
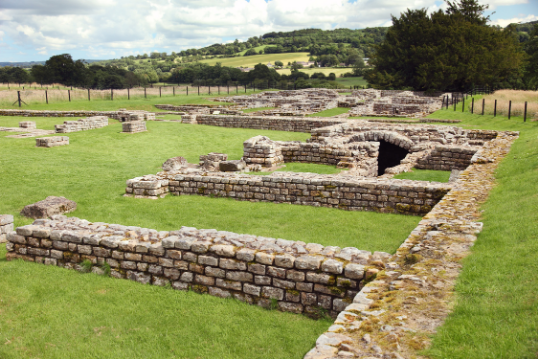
{"type": "Point", "coordinates": [514, 20]}
{"type": "Point", "coordinates": [105, 27]}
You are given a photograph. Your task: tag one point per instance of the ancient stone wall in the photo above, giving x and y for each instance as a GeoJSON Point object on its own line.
{"type": "Point", "coordinates": [133, 126]}
{"type": "Point", "coordinates": [84, 124]}
{"type": "Point", "coordinates": [52, 141]}
{"type": "Point", "coordinates": [267, 122]}
{"type": "Point", "coordinates": [299, 277]}
{"type": "Point", "coordinates": [6, 226]}
{"type": "Point", "coordinates": [362, 156]}
{"type": "Point", "coordinates": [334, 191]}
{"type": "Point", "coordinates": [447, 158]}
{"type": "Point", "coordinates": [47, 113]}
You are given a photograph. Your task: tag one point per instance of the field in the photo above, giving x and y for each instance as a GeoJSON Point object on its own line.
{"type": "Point", "coordinates": [325, 70]}
{"type": "Point", "coordinates": [352, 81]}
{"type": "Point", "coordinates": [495, 314]}
{"type": "Point", "coordinates": [250, 61]}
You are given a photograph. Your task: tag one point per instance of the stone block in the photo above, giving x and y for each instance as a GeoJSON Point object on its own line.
{"type": "Point", "coordinates": [49, 207]}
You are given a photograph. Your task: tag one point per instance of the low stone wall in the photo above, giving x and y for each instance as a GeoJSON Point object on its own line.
{"type": "Point", "coordinates": [447, 158]}
{"type": "Point", "coordinates": [134, 126]}
{"type": "Point", "coordinates": [6, 226]}
{"type": "Point", "coordinates": [260, 150]}
{"type": "Point", "coordinates": [276, 123]}
{"type": "Point", "coordinates": [300, 277]}
{"type": "Point", "coordinates": [52, 141]}
{"type": "Point", "coordinates": [84, 124]}
{"type": "Point", "coordinates": [334, 191]}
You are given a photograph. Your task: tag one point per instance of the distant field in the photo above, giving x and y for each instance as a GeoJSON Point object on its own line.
{"type": "Point", "coordinates": [257, 48]}
{"type": "Point", "coordinates": [352, 81]}
{"type": "Point", "coordinates": [325, 70]}
{"type": "Point", "coordinates": [250, 61]}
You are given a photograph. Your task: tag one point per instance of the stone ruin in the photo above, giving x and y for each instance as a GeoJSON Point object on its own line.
{"type": "Point", "coordinates": [49, 207]}
{"type": "Point", "coordinates": [52, 141]}
{"type": "Point", "coordinates": [124, 115]}
{"type": "Point", "coordinates": [368, 102]}
{"type": "Point", "coordinates": [83, 124]}
{"type": "Point", "coordinates": [134, 127]}
{"type": "Point", "coordinates": [30, 125]}
{"type": "Point", "coordinates": [6, 226]}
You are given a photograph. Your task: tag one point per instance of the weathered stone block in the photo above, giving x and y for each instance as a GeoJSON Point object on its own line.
{"type": "Point", "coordinates": [49, 207]}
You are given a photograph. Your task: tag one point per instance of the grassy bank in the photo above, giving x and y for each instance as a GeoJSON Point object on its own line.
{"type": "Point", "coordinates": [496, 309]}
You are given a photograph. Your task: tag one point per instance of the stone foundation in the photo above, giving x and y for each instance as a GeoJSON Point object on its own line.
{"type": "Point", "coordinates": [30, 125]}
{"type": "Point", "coordinates": [447, 158]}
{"type": "Point", "coordinates": [298, 277]}
{"type": "Point", "coordinates": [333, 191]}
{"type": "Point", "coordinates": [84, 124]}
{"type": "Point", "coordinates": [133, 127]}
{"type": "Point", "coordinates": [275, 123]}
{"type": "Point", "coordinates": [52, 141]}
{"type": "Point", "coordinates": [6, 226]}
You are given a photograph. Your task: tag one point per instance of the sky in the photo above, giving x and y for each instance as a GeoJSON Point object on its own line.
{"type": "Point", "coordinates": [35, 30]}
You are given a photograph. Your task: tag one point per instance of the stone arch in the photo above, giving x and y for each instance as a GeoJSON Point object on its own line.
{"type": "Point", "coordinates": [393, 147]}
{"type": "Point", "coordinates": [391, 137]}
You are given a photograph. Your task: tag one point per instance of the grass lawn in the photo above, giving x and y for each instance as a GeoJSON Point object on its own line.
{"type": "Point", "coordinates": [496, 309]}
{"type": "Point", "coordinates": [250, 61]}
{"type": "Point", "coordinates": [304, 167]}
{"type": "Point", "coordinates": [425, 175]}
{"type": "Point", "coordinates": [50, 312]}
{"type": "Point", "coordinates": [330, 112]}
{"type": "Point", "coordinates": [137, 103]}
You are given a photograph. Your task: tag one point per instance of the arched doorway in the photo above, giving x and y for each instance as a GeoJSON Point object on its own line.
{"type": "Point", "coordinates": [389, 156]}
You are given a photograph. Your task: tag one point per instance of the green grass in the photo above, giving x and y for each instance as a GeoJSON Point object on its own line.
{"type": "Point", "coordinates": [250, 61]}
{"type": "Point", "coordinates": [330, 112]}
{"type": "Point", "coordinates": [352, 81]}
{"type": "Point", "coordinates": [43, 123]}
{"type": "Point", "coordinates": [133, 104]}
{"type": "Point", "coordinates": [304, 167]}
{"type": "Point", "coordinates": [249, 110]}
{"type": "Point", "coordinates": [496, 311]}
{"type": "Point", "coordinates": [425, 175]}
{"type": "Point", "coordinates": [93, 169]}
{"type": "Point", "coordinates": [53, 313]}
{"type": "Point", "coordinates": [326, 70]}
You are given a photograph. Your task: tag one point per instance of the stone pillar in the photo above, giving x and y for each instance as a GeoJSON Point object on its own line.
{"type": "Point", "coordinates": [6, 226]}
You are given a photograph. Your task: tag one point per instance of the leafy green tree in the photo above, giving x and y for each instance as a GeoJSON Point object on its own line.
{"type": "Point", "coordinates": [279, 63]}
{"type": "Point", "coordinates": [444, 51]}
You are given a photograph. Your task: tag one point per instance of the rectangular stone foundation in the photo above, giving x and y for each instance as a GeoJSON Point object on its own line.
{"type": "Point", "coordinates": [301, 277]}
{"type": "Point", "coordinates": [27, 124]}
{"type": "Point", "coordinates": [52, 141]}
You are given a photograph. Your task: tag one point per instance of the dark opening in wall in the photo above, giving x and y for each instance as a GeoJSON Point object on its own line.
{"type": "Point", "coordinates": [389, 156]}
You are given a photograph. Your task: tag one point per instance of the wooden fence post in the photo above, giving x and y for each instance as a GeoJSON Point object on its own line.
{"type": "Point", "coordinates": [19, 98]}
{"type": "Point", "coordinates": [111, 94]}
{"type": "Point", "coordinates": [525, 113]}
{"type": "Point", "coordinates": [483, 105]}
{"type": "Point", "coordinates": [160, 94]}
{"type": "Point", "coordinates": [69, 95]}
{"type": "Point", "coordinates": [472, 105]}
{"type": "Point", "coordinates": [495, 109]}
{"type": "Point", "coordinates": [145, 94]}
{"type": "Point", "coordinates": [509, 109]}
{"type": "Point", "coordinates": [128, 94]}
{"type": "Point", "coordinates": [88, 94]}
{"type": "Point", "coordinates": [46, 97]}
{"type": "Point", "coordinates": [463, 104]}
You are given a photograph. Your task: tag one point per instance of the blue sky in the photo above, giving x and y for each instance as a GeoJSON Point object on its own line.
{"type": "Point", "coordinates": [102, 29]}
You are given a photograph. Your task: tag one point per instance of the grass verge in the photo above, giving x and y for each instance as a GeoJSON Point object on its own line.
{"type": "Point", "coordinates": [425, 175]}
{"type": "Point", "coordinates": [496, 308]}
{"type": "Point", "coordinates": [330, 112]}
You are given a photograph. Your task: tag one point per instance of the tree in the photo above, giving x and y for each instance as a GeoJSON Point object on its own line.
{"type": "Point", "coordinates": [279, 63]}
{"type": "Point", "coordinates": [444, 51]}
